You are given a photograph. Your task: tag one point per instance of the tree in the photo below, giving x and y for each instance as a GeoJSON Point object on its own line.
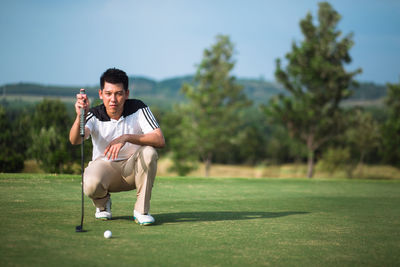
{"type": "Point", "coordinates": [316, 80]}
{"type": "Point", "coordinates": [391, 128]}
{"type": "Point", "coordinates": [211, 117]}
{"type": "Point", "coordinates": [50, 151]}
{"type": "Point", "coordinates": [11, 158]}
{"type": "Point", "coordinates": [179, 144]}
{"type": "Point", "coordinates": [50, 143]}
{"type": "Point", "coordinates": [363, 135]}
{"type": "Point", "coordinates": [335, 158]}
{"type": "Point", "coordinates": [282, 149]}
{"type": "Point", "coordinates": [50, 113]}
{"type": "Point", "coordinates": [351, 149]}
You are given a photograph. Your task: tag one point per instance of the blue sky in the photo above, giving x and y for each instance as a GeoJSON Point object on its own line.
{"type": "Point", "coordinates": [73, 42]}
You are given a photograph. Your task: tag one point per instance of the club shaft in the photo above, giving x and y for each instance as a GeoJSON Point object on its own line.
{"type": "Point", "coordinates": [82, 134]}
{"type": "Point", "coordinates": [82, 171]}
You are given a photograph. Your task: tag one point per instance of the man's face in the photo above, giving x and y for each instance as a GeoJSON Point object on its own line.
{"type": "Point", "coordinates": [114, 97]}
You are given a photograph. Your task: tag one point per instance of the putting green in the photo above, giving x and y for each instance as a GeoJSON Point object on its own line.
{"type": "Point", "coordinates": [204, 222]}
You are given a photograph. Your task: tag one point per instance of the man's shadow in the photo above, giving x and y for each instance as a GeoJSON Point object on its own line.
{"type": "Point", "coordinates": [212, 216]}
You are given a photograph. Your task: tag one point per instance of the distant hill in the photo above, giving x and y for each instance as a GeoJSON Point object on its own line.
{"type": "Point", "coordinates": [369, 91]}
{"type": "Point", "coordinates": [167, 92]}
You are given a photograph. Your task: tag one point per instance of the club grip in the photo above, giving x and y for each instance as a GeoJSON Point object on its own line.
{"type": "Point", "coordinates": [82, 118]}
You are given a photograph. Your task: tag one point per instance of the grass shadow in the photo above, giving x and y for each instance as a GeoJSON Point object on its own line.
{"type": "Point", "coordinates": [210, 216]}
{"type": "Point", "coordinates": [128, 218]}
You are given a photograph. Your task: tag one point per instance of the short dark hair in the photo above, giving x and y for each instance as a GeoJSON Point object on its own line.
{"type": "Point", "coordinates": [114, 76]}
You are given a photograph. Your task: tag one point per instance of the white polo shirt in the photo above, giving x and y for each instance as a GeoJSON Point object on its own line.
{"type": "Point", "coordinates": [136, 119]}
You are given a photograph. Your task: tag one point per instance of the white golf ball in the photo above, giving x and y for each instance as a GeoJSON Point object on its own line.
{"type": "Point", "coordinates": [107, 234]}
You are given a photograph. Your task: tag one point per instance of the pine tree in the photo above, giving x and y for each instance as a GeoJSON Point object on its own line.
{"type": "Point", "coordinates": [316, 80]}
{"type": "Point", "coordinates": [211, 118]}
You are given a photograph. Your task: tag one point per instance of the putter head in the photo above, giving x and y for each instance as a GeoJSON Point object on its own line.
{"type": "Point", "coordinates": [79, 229]}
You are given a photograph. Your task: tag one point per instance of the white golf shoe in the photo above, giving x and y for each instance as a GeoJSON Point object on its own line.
{"type": "Point", "coordinates": [143, 219]}
{"type": "Point", "coordinates": [104, 214]}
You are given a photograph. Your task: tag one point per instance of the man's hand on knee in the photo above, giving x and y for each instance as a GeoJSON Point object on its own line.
{"type": "Point", "coordinates": [114, 147]}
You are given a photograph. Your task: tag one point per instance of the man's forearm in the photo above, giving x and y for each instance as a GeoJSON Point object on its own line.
{"type": "Point", "coordinates": [154, 139]}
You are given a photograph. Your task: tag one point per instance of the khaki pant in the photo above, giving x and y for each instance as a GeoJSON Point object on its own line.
{"type": "Point", "coordinates": [138, 172]}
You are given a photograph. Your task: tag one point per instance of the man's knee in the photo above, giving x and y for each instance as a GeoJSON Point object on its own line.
{"type": "Point", "coordinates": [91, 185]}
{"type": "Point", "coordinates": [149, 155]}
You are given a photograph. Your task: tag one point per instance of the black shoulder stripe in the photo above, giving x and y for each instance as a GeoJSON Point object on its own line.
{"type": "Point", "coordinates": [148, 119]}
{"type": "Point", "coordinates": [89, 116]}
{"type": "Point", "coordinates": [155, 120]}
{"type": "Point", "coordinates": [152, 117]}
{"type": "Point", "coordinates": [146, 115]}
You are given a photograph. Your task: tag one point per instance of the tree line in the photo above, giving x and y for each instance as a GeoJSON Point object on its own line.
{"type": "Point", "coordinates": [217, 123]}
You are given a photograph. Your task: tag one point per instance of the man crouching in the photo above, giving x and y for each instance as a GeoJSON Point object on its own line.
{"type": "Point", "coordinates": [124, 134]}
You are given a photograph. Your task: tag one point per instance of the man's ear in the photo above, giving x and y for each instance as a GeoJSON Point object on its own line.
{"type": "Point", "coordinates": [100, 94]}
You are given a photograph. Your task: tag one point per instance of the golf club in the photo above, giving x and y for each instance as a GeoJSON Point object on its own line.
{"type": "Point", "coordinates": [79, 228]}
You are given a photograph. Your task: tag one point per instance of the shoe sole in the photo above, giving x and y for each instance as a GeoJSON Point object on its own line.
{"type": "Point", "coordinates": [143, 224]}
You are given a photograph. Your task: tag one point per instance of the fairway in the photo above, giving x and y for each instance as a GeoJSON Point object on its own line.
{"type": "Point", "coordinates": [204, 222]}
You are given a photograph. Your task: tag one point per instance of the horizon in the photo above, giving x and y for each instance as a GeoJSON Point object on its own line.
{"type": "Point", "coordinates": [71, 43]}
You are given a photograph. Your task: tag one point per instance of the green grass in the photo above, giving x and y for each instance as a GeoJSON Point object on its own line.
{"type": "Point", "coordinates": [204, 222]}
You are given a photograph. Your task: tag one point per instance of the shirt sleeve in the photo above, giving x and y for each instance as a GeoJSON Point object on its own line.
{"type": "Point", "coordinates": [147, 121]}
